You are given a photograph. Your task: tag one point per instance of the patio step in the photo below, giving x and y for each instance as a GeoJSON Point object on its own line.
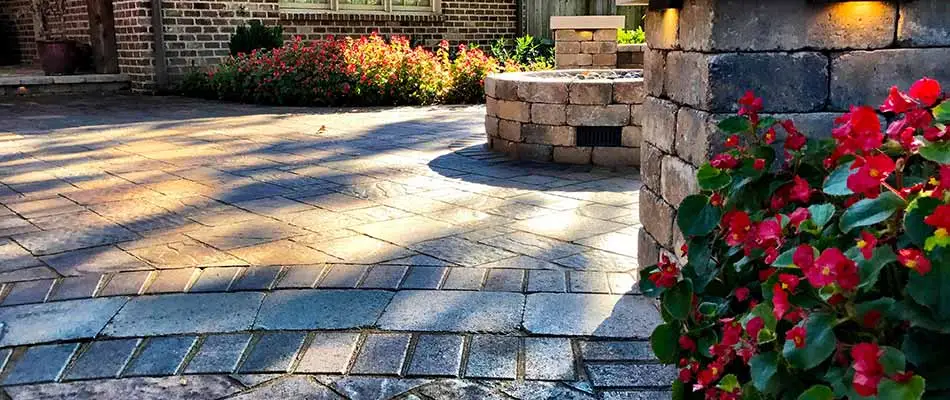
{"type": "Point", "coordinates": [30, 85]}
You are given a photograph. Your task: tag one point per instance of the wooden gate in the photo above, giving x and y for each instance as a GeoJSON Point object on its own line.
{"type": "Point", "coordinates": [538, 13]}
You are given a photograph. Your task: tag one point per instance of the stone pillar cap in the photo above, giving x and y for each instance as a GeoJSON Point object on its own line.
{"type": "Point", "coordinates": [588, 22]}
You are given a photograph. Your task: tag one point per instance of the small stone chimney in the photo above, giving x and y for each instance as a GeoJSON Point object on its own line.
{"type": "Point", "coordinates": [586, 42]}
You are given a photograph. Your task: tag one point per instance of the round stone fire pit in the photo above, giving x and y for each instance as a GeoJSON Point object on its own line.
{"type": "Point", "coordinates": [566, 116]}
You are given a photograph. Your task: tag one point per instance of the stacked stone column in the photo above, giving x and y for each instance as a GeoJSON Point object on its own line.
{"type": "Point", "coordinates": [808, 61]}
{"type": "Point", "coordinates": [586, 42]}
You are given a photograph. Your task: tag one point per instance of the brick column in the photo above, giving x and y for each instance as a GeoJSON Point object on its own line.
{"type": "Point", "coordinates": [808, 61]}
{"type": "Point", "coordinates": [586, 42]}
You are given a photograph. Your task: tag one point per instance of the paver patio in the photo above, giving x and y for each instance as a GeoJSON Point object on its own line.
{"type": "Point", "coordinates": [158, 248]}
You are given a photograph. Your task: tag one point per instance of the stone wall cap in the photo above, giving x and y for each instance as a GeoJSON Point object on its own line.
{"type": "Point", "coordinates": [563, 75]}
{"type": "Point", "coordinates": [631, 48]}
{"type": "Point", "coordinates": [588, 22]}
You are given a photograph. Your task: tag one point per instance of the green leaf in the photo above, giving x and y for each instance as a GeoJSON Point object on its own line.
{"type": "Point", "coordinates": [696, 217]}
{"type": "Point", "coordinates": [764, 311]}
{"type": "Point", "coordinates": [911, 390]}
{"type": "Point", "coordinates": [700, 269]}
{"type": "Point", "coordinates": [893, 360]}
{"type": "Point", "coordinates": [665, 343]}
{"type": "Point", "coordinates": [767, 122]}
{"type": "Point", "coordinates": [735, 124]}
{"type": "Point", "coordinates": [884, 305]}
{"type": "Point", "coordinates": [870, 211]}
{"type": "Point", "coordinates": [712, 178]}
{"type": "Point", "coordinates": [821, 214]}
{"type": "Point", "coordinates": [942, 112]}
{"type": "Point", "coordinates": [729, 383]}
{"type": "Point", "coordinates": [871, 269]}
{"type": "Point", "coordinates": [933, 289]}
{"type": "Point", "coordinates": [784, 260]}
{"type": "Point", "coordinates": [647, 287]}
{"type": "Point", "coordinates": [938, 152]}
{"type": "Point", "coordinates": [914, 225]}
{"type": "Point", "coordinates": [817, 392]}
{"type": "Point", "coordinates": [705, 342]}
{"type": "Point", "coordinates": [764, 370]}
{"type": "Point", "coordinates": [678, 301]}
{"type": "Point", "coordinates": [820, 342]}
{"type": "Point", "coordinates": [837, 182]}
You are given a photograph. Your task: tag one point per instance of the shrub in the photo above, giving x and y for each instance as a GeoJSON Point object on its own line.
{"type": "Point", "coordinates": [524, 50]}
{"type": "Point", "coordinates": [635, 36]}
{"type": "Point", "coordinates": [255, 36]}
{"type": "Point", "coordinates": [817, 269]}
{"type": "Point", "coordinates": [364, 71]}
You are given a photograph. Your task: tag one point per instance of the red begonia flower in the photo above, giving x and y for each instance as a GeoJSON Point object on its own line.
{"type": "Point", "coordinates": [724, 161]}
{"type": "Point", "coordinates": [765, 274]}
{"type": "Point", "coordinates": [742, 293]}
{"type": "Point", "coordinates": [798, 216]}
{"type": "Point", "coordinates": [668, 273]}
{"type": "Point", "coordinates": [935, 134]}
{"type": "Point", "coordinates": [770, 136]}
{"type": "Point", "coordinates": [926, 90]}
{"type": "Point", "coordinates": [803, 257]}
{"type": "Point", "coordinates": [750, 106]}
{"type": "Point", "coordinates": [858, 131]}
{"type": "Point", "coordinates": [686, 343]}
{"type": "Point", "coordinates": [940, 218]}
{"type": "Point", "coordinates": [871, 318]}
{"type": "Point", "coordinates": [832, 266]}
{"type": "Point", "coordinates": [685, 375]}
{"type": "Point", "coordinates": [780, 302]}
{"type": "Point", "coordinates": [794, 316]}
{"type": "Point", "coordinates": [795, 140]}
{"type": "Point", "coordinates": [732, 141]}
{"type": "Point", "coordinates": [897, 102]}
{"type": "Point", "coordinates": [789, 282]}
{"type": "Point", "coordinates": [915, 260]}
{"type": "Point", "coordinates": [944, 183]}
{"type": "Point", "coordinates": [737, 225]}
{"type": "Point", "coordinates": [800, 191]}
{"type": "Point", "coordinates": [797, 336]}
{"type": "Point", "coordinates": [868, 370]}
{"type": "Point", "coordinates": [872, 170]}
{"type": "Point", "coordinates": [866, 244]}
{"type": "Point", "coordinates": [716, 200]}
{"type": "Point", "coordinates": [754, 326]}
{"type": "Point", "coordinates": [758, 164]}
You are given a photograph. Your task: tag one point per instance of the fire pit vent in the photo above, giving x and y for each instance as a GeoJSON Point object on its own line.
{"type": "Point", "coordinates": [599, 136]}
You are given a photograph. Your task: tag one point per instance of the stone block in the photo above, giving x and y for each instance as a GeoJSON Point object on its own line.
{"type": "Point", "coordinates": [631, 136]}
{"type": "Point", "coordinates": [589, 282]}
{"type": "Point", "coordinates": [659, 123]}
{"type": "Point", "coordinates": [491, 125]}
{"type": "Point", "coordinates": [924, 23]}
{"type": "Point", "coordinates": [185, 313]}
{"type": "Point", "coordinates": [219, 354]}
{"type": "Point", "coordinates": [543, 91]}
{"type": "Point", "coordinates": [615, 156]}
{"type": "Point", "coordinates": [490, 86]}
{"type": "Point", "coordinates": [678, 180]}
{"type": "Point", "coordinates": [572, 155]}
{"type": "Point", "coordinates": [629, 91]}
{"type": "Point", "coordinates": [731, 25]}
{"type": "Point", "coordinates": [598, 47]}
{"type": "Point", "coordinates": [494, 357]}
{"type": "Point", "coordinates": [437, 355]}
{"type": "Point", "coordinates": [274, 352]}
{"type": "Point", "coordinates": [650, 166]}
{"type": "Point", "coordinates": [687, 78]}
{"type": "Point", "coordinates": [547, 280]}
{"type": "Point", "coordinates": [329, 353]}
{"type": "Point", "coordinates": [547, 134]}
{"type": "Point", "coordinates": [464, 279]}
{"type": "Point", "coordinates": [605, 35]}
{"type": "Point", "coordinates": [506, 89]}
{"type": "Point", "coordinates": [384, 277]}
{"type": "Point", "coordinates": [657, 217]}
{"type": "Point", "coordinates": [514, 110]}
{"type": "Point", "coordinates": [321, 309]}
{"type": "Point", "coordinates": [631, 375]}
{"type": "Point", "coordinates": [57, 321]}
{"type": "Point", "coordinates": [423, 278]}
{"type": "Point", "coordinates": [609, 115]}
{"type": "Point", "coordinates": [509, 130]}
{"type": "Point", "coordinates": [695, 132]}
{"type": "Point", "coordinates": [593, 92]}
{"type": "Point", "coordinates": [41, 364]}
{"type": "Point", "coordinates": [662, 28]}
{"type": "Point", "coordinates": [160, 356]}
{"type": "Point", "coordinates": [617, 351]}
{"type": "Point", "coordinates": [567, 47]}
{"type": "Point", "coordinates": [535, 152]}
{"type": "Point", "coordinates": [382, 354]}
{"type": "Point", "coordinates": [102, 359]}
{"type": "Point", "coordinates": [864, 77]}
{"type": "Point", "coordinates": [411, 310]}
{"type": "Point", "coordinates": [573, 35]}
{"type": "Point", "coordinates": [549, 359]}
{"type": "Point", "coordinates": [504, 146]}
{"type": "Point", "coordinates": [504, 280]}
{"type": "Point", "coordinates": [548, 114]}
{"type": "Point", "coordinates": [598, 315]}
{"type": "Point", "coordinates": [648, 250]}
{"type": "Point", "coordinates": [654, 71]}
{"type": "Point", "coordinates": [491, 106]}
{"type": "Point", "coordinates": [604, 60]}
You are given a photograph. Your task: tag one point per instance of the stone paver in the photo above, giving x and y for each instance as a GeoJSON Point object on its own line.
{"type": "Point", "coordinates": [393, 244]}
{"type": "Point", "coordinates": [41, 364]}
{"type": "Point", "coordinates": [449, 311]}
{"type": "Point", "coordinates": [102, 359]}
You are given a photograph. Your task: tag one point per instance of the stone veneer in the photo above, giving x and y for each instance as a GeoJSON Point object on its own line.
{"type": "Point", "coordinates": [808, 61]}
{"type": "Point", "coordinates": [586, 41]}
{"type": "Point", "coordinates": [535, 115]}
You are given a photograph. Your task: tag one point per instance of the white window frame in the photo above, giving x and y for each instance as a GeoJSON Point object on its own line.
{"type": "Point", "coordinates": [335, 6]}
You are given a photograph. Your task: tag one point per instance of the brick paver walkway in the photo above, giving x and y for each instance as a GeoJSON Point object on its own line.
{"type": "Point", "coordinates": [160, 248]}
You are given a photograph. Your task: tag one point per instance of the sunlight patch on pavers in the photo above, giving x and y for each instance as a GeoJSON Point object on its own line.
{"type": "Point", "coordinates": [599, 315]}
{"type": "Point", "coordinates": [445, 311]}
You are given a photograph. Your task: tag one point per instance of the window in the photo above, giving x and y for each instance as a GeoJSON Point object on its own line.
{"type": "Point", "coordinates": [365, 6]}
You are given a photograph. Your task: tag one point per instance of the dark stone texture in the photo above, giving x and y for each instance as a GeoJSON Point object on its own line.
{"type": "Point", "coordinates": [493, 357]}
{"type": "Point", "coordinates": [218, 354]}
{"type": "Point", "coordinates": [437, 355]}
{"type": "Point", "coordinates": [274, 352]}
{"type": "Point", "coordinates": [41, 364]}
{"type": "Point", "coordinates": [102, 359]}
{"type": "Point", "coordinates": [924, 23]}
{"type": "Point", "coordinates": [382, 354]}
{"type": "Point", "coordinates": [161, 356]}
{"type": "Point", "coordinates": [864, 77]}
{"type": "Point", "coordinates": [795, 82]}
{"type": "Point", "coordinates": [631, 375]}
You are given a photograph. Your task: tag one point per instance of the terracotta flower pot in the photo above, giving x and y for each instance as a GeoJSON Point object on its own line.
{"type": "Point", "coordinates": [58, 57]}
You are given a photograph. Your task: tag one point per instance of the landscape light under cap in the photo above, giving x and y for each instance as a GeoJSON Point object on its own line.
{"type": "Point", "coordinates": [657, 5]}
{"type": "Point", "coordinates": [852, 1]}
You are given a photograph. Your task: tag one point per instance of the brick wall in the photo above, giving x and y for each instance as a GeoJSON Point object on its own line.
{"type": "Point", "coordinates": [133, 35]}
{"type": "Point", "coordinates": [74, 24]}
{"type": "Point", "coordinates": [808, 61]}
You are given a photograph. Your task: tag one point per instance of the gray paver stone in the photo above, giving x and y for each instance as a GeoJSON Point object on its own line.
{"type": "Point", "coordinates": [598, 315]}
{"type": "Point", "coordinates": [329, 353]}
{"type": "Point", "coordinates": [215, 279]}
{"type": "Point", "coordinates": [171, 281]}
{"type": "Point", "coordinates": [161, 356]}
{"type": "Point", "coordinates": [193, 388]}
{"type": "Point", "coordinates": [61, 320]}
{"type": "Point", "coordinates": [321, 309]}
{"type": "Point", "coordinates": [343, 276]}
{"type": "Point", "coordinates": [41, 364]}
{"type": "Point", "coordinates": [493, 357]}
{"type": "Point", "coordinates": [460, 390]}
{"type": "Point", "coordinates": [28, 292]}
{"type": "Point", "coordinates": [274, 352]}
{"type": "Point", "coordinates": [538, 390]}
{"type": "Point", "coordinates": [461, 251]}
{"type": "Point", "coordinates": [546, 281]}
{"type": "Point", "coordinates": [291, 387]}
{"type": "Point", "coordinates": [632, 375]}
{"type": "Point", "coordinates": [75, 287]}
{"type": "Point", "coordinates": [384, 277]}
{"type": "Point", "coordinates": [437, 355]}
{"type": "Point", "coordinates": [616, 351]}
{"type": "Point", "coordinates": [382, 354]}
{"type": "Point", "coordinates": [185, 313]}
{"type": "Point", "coordinates": [102, 359]}
{"type": "Point", "coordinates": [505, 280]}
{"type": "Point", "coordinates": [548, 359]}
{"type": "Point", "coordinates": [464, 279]}
{"type": "Point", "coordinates": [376, 388]}
{"type": "Point", "coordinates": [589, 282]}
{"type": "Point", "coordinates": [256, 278]}
{"type": "Point", "coordinates": [446, 311]}
{"type": "Point", "coordinates": [300, 277]}
{"type": "Point", "coordinates": [125, 283]}
{"type": "Point", "coordinates": [219, 353]}
{"type": "Point", "coordinates": [423, 278]}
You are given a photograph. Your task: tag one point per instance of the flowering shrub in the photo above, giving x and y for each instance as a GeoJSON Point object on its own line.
{"type": "Point", "coordinates": [816, 269]}
{"type": "Point", "coordinates": [364, 71]}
